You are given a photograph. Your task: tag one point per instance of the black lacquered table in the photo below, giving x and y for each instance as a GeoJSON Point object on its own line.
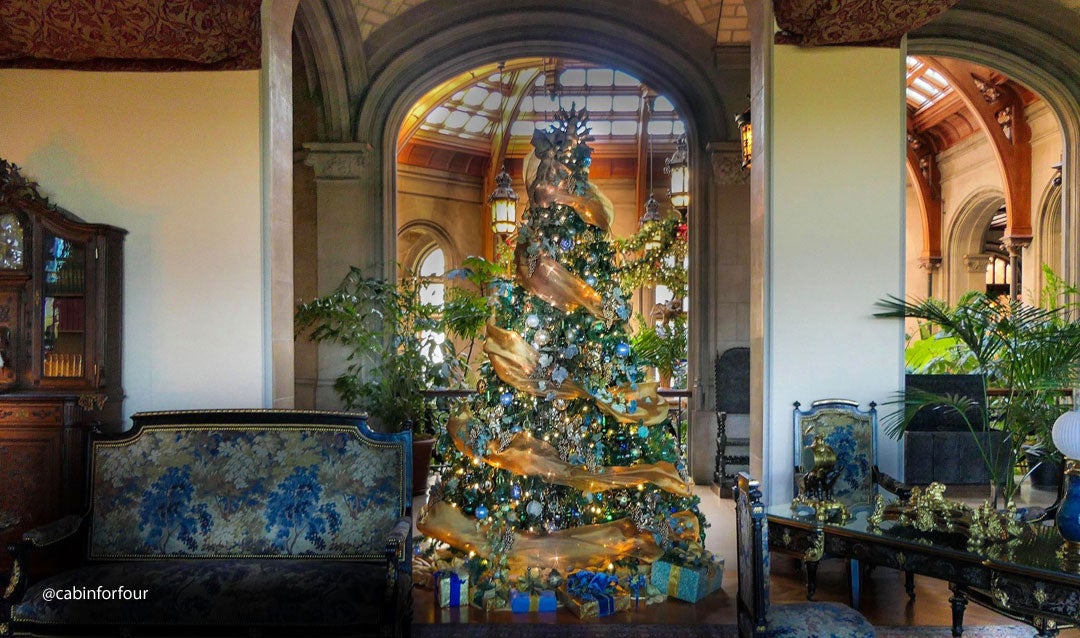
{"type": "Point", "coordinates": [1028, 579]}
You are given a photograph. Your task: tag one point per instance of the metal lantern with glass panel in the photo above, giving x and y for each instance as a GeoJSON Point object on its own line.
{"type": "Point", "coordinates": [746, 136]}
{"type": "Point", "coordinates": [503, 202]}
{"type": "Point", "coordinates": [679, 168]}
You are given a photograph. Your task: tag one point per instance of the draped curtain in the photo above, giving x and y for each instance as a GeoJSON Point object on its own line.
{"type": "Point", "coordinates": [852, 22]}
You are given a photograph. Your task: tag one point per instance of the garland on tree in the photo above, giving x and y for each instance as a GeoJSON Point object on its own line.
{"type": "Point", "coordinates": [564, 454]}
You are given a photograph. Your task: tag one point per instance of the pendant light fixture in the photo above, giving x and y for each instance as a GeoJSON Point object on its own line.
{"type": "Point", "coordinates": [679, 168]}
{"type": "Point", "coordinates": [746, 136]}
{"type": "Point", "coordinates": [652, 207]}
{"type": "Point", "coordinates": [503, 200]}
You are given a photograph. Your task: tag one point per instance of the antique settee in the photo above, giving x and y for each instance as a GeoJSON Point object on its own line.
{"type": "Point", "coordinates": [257, 521]}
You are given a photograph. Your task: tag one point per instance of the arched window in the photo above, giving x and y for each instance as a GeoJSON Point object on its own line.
{"type": "Point", "coordinates": [432, 269]}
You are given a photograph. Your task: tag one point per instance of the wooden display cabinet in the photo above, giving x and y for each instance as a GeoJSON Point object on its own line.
{"type": "Point", "coordinates": [60, 351]}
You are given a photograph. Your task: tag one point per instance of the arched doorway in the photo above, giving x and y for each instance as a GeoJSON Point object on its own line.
{"type": "Point", "coordinates": [654, 44]}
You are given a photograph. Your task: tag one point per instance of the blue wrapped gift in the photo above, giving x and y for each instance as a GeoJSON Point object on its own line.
{"type": "Point", "coordinates": [452, 588]}
{"type": "Point", "coordinates": [522, 602]}
{"type": "Point", "coordinates": [593, 594]}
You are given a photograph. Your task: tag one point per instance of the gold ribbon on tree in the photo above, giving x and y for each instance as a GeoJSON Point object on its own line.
{"type": "Point", "coordinates": [527, 455]}
{"type": "Point", "coordinates": [514, 361]}
{"type": "Point", "coordinates": [568, 549]}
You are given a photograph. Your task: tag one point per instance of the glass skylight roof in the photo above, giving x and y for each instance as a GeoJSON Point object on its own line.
{"type": "Point", "coordinates": [472, 112]}
{"type": "Point", "coordinates": [925, 86]}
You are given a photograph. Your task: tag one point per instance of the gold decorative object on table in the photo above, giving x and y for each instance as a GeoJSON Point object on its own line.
{"type": "Point", "coordinates": [816, 483]}
{"type": "Point", "coordinates": [929, 511]}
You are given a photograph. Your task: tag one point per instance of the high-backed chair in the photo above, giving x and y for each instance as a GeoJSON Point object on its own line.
{"type": "Point", "coordinates": [756, 616]}
{"type": "Point", "coordinates": [852, 435]}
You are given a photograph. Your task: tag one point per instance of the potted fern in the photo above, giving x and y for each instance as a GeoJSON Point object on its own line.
{"type": "Point", "coordinates": [1028, 355]}
{"type": "Point", "coordinates": [395, 351]}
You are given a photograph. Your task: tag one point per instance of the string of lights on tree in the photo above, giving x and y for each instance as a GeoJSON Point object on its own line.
{"type": "Point", "coordinates": [565, 457]}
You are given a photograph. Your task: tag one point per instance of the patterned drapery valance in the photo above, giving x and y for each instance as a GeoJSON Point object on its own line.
{"type": "Point", "coordinates": [130, 34]}
{"type": "Point", "coordinates": [856, 22]}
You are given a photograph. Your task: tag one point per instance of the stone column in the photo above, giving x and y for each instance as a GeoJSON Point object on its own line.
{"type": "Point", "coordinates": [347, 236]}
{"type": "Point", "coordinates": [720, 299]}
{"type": "Point", "coordinates": [827, 235]}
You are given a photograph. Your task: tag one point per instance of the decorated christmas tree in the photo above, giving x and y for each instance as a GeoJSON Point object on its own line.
{"type": "Point", "coordinates": [565, 458]}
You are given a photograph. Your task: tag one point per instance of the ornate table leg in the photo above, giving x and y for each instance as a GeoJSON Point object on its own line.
{"type": "Point", "coordinates": [909, 584]}
{"type": "Point", "coordinates": [856, 583]}
{"type": "Point", "coordinates": [959, 602]}
{"type": "Point", "coordinates": [813, 554]}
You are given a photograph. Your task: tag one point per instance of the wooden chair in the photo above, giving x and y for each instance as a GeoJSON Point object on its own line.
{"type": "Point", "coordinates": [756, 616]}
{"type": "Point", "coordinates": [852, 435]}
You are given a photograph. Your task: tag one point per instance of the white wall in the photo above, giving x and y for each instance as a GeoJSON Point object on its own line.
{"type": "Point", "coordinates": [834, 240]}
{"type": "Point", "coordinates": [174, 159]}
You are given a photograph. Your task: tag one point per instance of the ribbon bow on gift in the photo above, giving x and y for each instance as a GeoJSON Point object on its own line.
{"type": "Point", "coordinates": [692, 555]}
{"type": "Point", "coordinates": [531, 582]}
{"type": "Point", "coordinates": [586, 585]}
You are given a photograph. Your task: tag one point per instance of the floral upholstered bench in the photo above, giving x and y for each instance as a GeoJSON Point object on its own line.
{"type": "Point", "coordinates": [230, 520]}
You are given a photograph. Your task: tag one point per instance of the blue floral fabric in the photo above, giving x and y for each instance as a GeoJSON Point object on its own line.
{"type": "Point", "coordinates": [851, 436]}
{"type": "Point", "coordinates": [226, 491]}
{"type": "Point", "coordinates": [820, 620]}
{"type": "Point", "coordinates": [223, 592]}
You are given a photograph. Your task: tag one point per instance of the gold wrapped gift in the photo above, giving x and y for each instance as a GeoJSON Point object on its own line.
{"type": "Point", "coordinates": [596, 608]}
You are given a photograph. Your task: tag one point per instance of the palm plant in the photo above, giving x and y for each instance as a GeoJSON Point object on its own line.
{"type": "Point", "coordinates": [1027, 354]}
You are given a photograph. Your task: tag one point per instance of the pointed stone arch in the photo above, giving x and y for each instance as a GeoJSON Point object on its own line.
{"type": "Point", "coordinates": [965, 257]}
{"type": "Point", "coordinates": [412, 53]}
{"type": "Point", "coordinates": [1034, 44]}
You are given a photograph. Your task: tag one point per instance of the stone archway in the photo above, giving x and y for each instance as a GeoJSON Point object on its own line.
{"type": "Point", "coordinates": [1034, 44]}
{"type": "Point", "coordinates": [965, 257]}
{"type": "Point", "coordinates": [408, 56]}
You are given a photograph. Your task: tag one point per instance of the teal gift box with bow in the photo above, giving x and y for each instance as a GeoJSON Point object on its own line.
{"type": "Point", "coordinates": [688, 576]}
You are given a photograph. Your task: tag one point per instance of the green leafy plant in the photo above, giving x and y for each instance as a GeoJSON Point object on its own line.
{"type": "Point", "coordinates": [393, 345]}
{"type": "Point", "coordinates": [662, 346]}
{"type": "Point", "coordinates": [1027, 354]}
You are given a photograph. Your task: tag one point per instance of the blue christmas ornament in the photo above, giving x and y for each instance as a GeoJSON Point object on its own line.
{"type": "Point", "coordinates": [566, 243]}
{"type": "Point", "coordinates": [591, 280]}
{"type": "Point", "coordinates": [481, 512]}
{"type": "Point", "coordinates": [643, 432]}
{"type": "Point", "coordinates": [506, 399]}
{"type": "Point", "coordinates": [631, 407]}
{"type": "Point", "coordinates": [515, 492]}
{"type": "Point", "coordinates": [623, 349]}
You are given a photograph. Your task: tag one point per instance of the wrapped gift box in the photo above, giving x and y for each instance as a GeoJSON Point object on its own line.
{"type": "Point", "coordinates": [593, 595]}
{"type": "Point", "coordinates": [521, 602]}
{"type": "Point", "coordinates": [689, 581]}
{"type": "Point", "coordinates": [488, 598]}
{"type": "Point", "coordinates": [452, 588]}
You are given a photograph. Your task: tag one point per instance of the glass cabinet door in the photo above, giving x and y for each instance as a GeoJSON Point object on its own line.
{"type": "Point", "coordinates": [64, 308]}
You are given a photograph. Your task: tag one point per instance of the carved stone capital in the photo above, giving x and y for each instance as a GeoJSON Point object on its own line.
{"type": "Point", "coordinates": [930, 264]}
{"type": "Point", "coordinates": [977, 262]}
{"type": "Point", "coordinates": [1015, 245]}
{"type": "Point", "coordinates": [726, 158]}
{"type": "Point", "coordinates": [337, 160]}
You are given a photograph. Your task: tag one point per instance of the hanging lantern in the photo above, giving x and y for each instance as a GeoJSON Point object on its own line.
{"type": "Point", "coordinates": [746, 136]}
{"type": "Point", "coordinates": [679, 169]}
{"type": "Point", "coordinates": [652, 214]}
{"type": "Point", "coordinates": [503, 201]}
